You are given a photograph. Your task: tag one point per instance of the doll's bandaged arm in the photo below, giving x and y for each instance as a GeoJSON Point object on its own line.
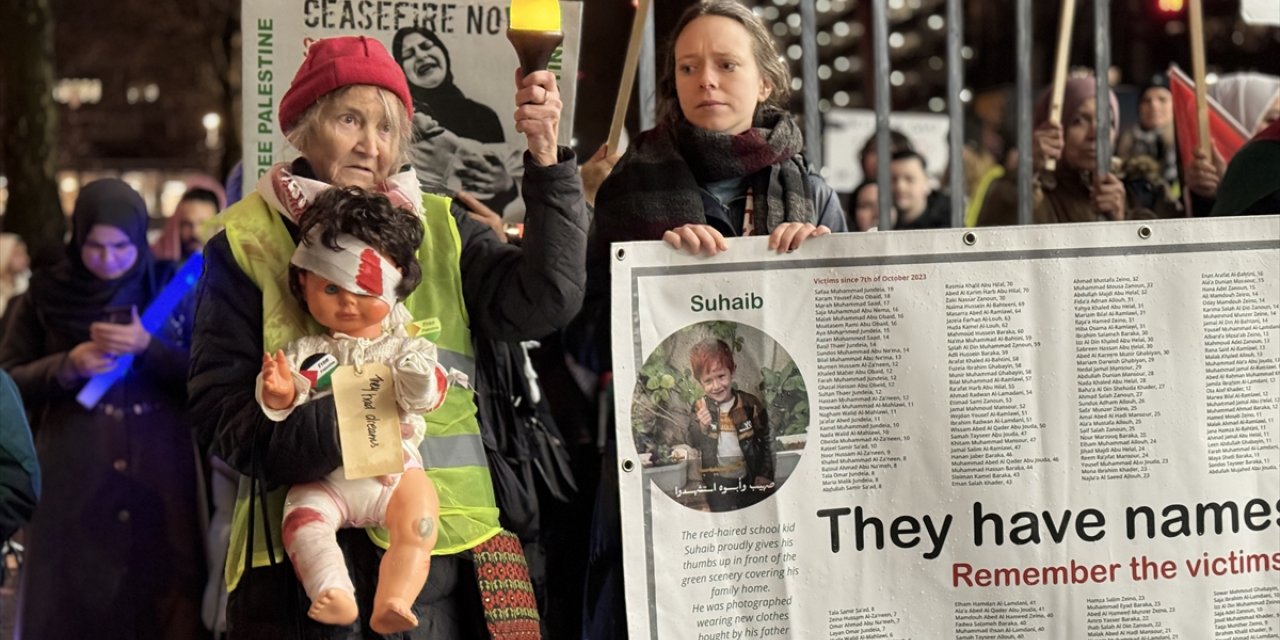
{"type": "Point", "coordinates": [356, 266]}
{"type": "Point", "coordinates": [420, 381]}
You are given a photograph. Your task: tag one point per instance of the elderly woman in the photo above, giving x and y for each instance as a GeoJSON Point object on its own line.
{"type": "Point", "coordinates": [1072, 192]}
{"type": "Point", "coordinates": [348, 111]}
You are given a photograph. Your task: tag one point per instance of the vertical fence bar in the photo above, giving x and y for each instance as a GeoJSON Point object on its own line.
{"type": "Point", "coordinates": [648, 76]}
{"type": "Point", "coordinates": [812, 90]}
{"type": "Point", "coordinates": [1024, 111]}
{"type": "Point", "coordinates": [880, 46]}
{"type": "Point", "coordinates": [955, 83]}
{"type": "Point", "coordinates": [1102, 73]}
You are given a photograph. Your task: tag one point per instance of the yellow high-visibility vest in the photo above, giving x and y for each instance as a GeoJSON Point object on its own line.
{"type": "Point", "coordinates": [452, 451]}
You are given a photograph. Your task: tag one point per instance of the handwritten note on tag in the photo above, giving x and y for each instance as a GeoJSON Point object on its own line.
{"type": "Point", "coordinates": [368, 422]}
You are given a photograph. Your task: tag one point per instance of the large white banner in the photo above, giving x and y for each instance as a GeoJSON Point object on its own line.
{"type": "Point", "coordinates": [459, 64]}
{"type": "Point", "coordinates": [1064, 431]}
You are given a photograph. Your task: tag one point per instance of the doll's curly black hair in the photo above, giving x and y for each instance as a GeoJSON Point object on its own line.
{"type": "Point", "coordinates": [392, 232]}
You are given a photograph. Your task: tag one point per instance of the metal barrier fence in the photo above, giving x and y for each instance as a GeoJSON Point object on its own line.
{"type": "Point", "coordinates": [955, 105]}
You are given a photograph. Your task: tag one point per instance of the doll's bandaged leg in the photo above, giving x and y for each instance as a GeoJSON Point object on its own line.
{"type": "Point", "coordinates": [313, 513]}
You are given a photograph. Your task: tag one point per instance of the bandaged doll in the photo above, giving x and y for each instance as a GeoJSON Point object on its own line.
{"type": "Point", "coordinates": [354, 263]}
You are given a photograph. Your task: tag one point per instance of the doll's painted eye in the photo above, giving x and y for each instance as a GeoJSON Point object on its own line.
{"type": "Point", "coordinates": [331, 289]}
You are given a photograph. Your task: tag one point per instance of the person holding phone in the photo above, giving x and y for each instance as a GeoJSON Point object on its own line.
{"type": "Point", "coordinates": [114, 551]}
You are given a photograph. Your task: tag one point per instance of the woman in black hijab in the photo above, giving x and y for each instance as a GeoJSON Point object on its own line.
{"type": "Point", "coordinates": [114, 548]}
{"type": "Point", "coordinates": [450, 128]}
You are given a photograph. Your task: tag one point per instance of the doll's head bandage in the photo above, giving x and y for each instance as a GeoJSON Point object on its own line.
{"type": "Point", "coordinates": [356, 267]}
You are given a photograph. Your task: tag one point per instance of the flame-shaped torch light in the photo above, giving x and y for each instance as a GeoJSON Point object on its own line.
{"type": "Point", "coordinates": [535, 32]}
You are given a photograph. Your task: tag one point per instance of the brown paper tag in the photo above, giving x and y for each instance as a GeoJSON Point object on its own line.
{"type": "Point", "coordinates": [368, 422]}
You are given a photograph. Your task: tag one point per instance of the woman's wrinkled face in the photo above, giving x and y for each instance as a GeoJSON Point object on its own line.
{"type": "Point", "coordinates": [355, 144]}
{"type": "Point", "coordinates": [423, 61]}
{"type": "Point", "coordinates": [1080, 138]}
{"type": "Point", "coordinates": [718, 82]}
{"type": "Point", "coordinates": [107, 252]}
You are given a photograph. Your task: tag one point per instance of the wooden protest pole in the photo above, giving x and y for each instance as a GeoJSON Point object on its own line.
{"type": "Point", "coordinates": [1065, 25]}
{"type": "Point", "coordinates": [1196, 18]}
{"type": "Point", "coordinates": [628, 75]}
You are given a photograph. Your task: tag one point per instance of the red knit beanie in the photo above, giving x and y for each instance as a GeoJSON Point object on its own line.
{"type": "Point", "coordinates": [333, 63]}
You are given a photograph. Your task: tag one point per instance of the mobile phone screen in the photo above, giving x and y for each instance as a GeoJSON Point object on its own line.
{"type": "Point", "coordinates": [118, 315]}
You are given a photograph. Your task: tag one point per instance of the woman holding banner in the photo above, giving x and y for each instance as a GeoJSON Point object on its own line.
{"type": "Point", "coordinates": [348, 111]}
{"type": "Point", "coordinates": [724, 161]}
{"type": "Point", "coordinates": [114, 550]}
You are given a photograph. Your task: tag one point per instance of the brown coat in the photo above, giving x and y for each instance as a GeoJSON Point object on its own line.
{"type": "Point", "coordinates": [1069, 200]}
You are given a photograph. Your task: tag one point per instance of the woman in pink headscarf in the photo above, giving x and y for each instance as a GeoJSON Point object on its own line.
{"type": "Point", "coordinates": [1072, 192]}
